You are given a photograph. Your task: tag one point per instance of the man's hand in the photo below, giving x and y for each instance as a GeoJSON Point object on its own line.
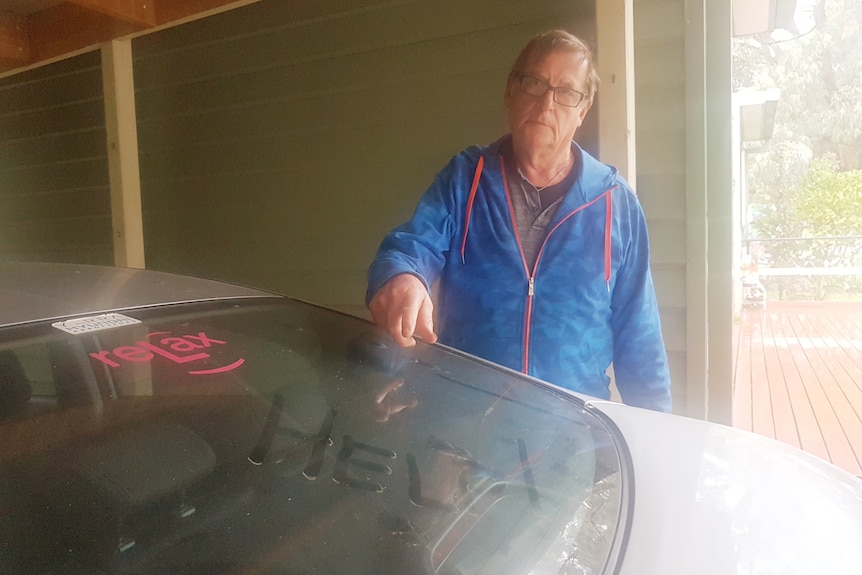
{"type": "Point", "coordinates": [403, 308]}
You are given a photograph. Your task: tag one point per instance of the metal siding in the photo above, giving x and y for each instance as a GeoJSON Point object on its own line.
{"type": "Point", "coordinates": [54, 191]}
{"type": "Point", "coordinates": [670, 286]}
{"type": "Point", "coordinates": [660, 98]}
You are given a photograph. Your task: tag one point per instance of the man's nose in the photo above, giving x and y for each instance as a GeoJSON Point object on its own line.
{"type": "Point", "coordinates": [548, 98]}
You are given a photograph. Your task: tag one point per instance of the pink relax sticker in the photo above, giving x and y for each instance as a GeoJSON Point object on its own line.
{"type": "Point", "coordinates": [178, 349]}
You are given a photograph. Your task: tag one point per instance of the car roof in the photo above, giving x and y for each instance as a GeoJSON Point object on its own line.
{"type": "Point", "coordinates": [31, 291]}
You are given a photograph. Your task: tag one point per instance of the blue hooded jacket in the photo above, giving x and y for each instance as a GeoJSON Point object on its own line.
{"type": "Point", "coordinates": [588, 301]}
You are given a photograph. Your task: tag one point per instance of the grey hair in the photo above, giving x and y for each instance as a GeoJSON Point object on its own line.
{"type": "Point", "coordinates": [550, 41]}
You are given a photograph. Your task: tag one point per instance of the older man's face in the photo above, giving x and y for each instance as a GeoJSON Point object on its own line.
{"type": "Point", "coordinates": [538, 122]}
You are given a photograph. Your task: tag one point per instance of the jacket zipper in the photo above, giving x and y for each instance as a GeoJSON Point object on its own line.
{"type": "Point", "coordinates": [528, 320]}
{"type": "Point", "coordinates": [531, 277]}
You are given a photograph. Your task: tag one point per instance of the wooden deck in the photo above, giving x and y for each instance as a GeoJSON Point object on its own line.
{"type": "Point", "coordinates": [798, 378]}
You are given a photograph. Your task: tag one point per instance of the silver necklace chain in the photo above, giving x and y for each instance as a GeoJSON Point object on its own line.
{"type": "Point", "coordinates": [552, 180]}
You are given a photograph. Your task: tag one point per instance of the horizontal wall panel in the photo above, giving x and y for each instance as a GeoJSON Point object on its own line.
{"type": "Point", "coordinates": [660, 28]}
{"type": "Point", "coordinates": [660, 66]}
{"type": "Point", "coordinates": [269, 33]}
{"type": "Point", "coordinates": [666, 157]}
{"type": "Point", "coordinates": [282, 140]}
{"type": "Point", "coordinates": [30, 209]}
{"type": "Point", "coordinates": [676, 361]}
{"type": "Point", "coordinates": [304, 253]}
{"type": "Point", "coordinates": [338, 80]}
{"type": "Point", "coordinates": [361, 110]}
{"type": "Point", "coordinates": [305, 153]}
{"type": "Point", "coordinates": [55, 235]}
{"type": "Point", "coordinates": [670, 284]}
{"type": "Point", "coordinates": [663, 193]}
{"type": "Point", "coordinates": [667, 111]}
{"type": "Point", "coordinates": [71, 116]}
{"type": "Point", "coordinates": [54, 189]}
{"type": "Point", "coordinates": [62, 174]}
{"type": "Point", "coordinates": [70, 80]}
{"type": "Point", "coordinates": [673, 328]}
{"type": "Point", "coordinates": [659, 22]}
{"type": "Point", "coordinates": [38, 150]}
{"type": "Point", "coordinates": [667, 240]}
{"type": "Point", "coordinates": [69, 253]}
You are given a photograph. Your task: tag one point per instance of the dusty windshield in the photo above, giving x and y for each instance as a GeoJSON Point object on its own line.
{"type": "Point", "coordinates": [281, 438]}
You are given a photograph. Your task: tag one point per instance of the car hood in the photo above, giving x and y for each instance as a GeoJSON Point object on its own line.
{"type": "Point", "coordinates": [714, 500]}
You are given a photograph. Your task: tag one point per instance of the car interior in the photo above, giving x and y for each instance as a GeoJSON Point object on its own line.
{"type": "Point", "coordinates": [155, 467]}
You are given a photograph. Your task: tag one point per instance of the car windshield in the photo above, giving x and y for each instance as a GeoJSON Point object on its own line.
{"type": "Point", "coordinates": [270, 436]}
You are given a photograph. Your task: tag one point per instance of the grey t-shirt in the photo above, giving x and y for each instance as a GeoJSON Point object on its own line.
{"type": "Point", "coordinates": [534, 209]}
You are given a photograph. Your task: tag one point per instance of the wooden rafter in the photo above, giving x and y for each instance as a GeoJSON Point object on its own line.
{"type": "Point", "coordinates": [170, 11]}
{"type": "Point", "coordinates": [58, 28]}
{"type": "Point", "coordinates": [14, 41]}
{"type": "Point", "coordinates": [68, 27]}
{"type": "Point", "coordinates": [138, 12]}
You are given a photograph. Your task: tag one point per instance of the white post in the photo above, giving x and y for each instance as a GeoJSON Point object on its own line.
{"type": "Point", "coordinates": [615, 63]}
{"type": "Point", "coordinates": [123, 167]}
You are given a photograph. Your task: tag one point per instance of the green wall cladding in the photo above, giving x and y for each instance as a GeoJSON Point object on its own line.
{"type": "Point", "coordinates": [281, 140]}
{"type": "Point", "coordinates": [278, 141]}
{"type": "Point", "coordinates": [54, 190]}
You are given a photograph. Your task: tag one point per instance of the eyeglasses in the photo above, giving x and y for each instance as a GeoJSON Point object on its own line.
{"type": "Point", "coordinates": [562, 95]}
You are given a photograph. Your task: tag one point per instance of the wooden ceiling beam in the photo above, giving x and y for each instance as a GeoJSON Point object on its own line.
{"type": "Point", "coordinates": [69, 27]}
{"type": "Point", "coordinates": [14, 39]}
{"type": "Point", "coordinates": [74, 25]}
{"type": "Point", "coordinates": [138, 12]}
{"type": "Point", "coordinates": [170, 10]}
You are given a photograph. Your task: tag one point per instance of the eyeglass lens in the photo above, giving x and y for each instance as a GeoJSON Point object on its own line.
{"type": "Point", "coordinates": [562, 95]}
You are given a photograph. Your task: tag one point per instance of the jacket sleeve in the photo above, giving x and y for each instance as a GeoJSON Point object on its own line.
{"type": "Point", "coordinates": [421, 245]}
{"type": "Point", "coordinates": [640, 359]}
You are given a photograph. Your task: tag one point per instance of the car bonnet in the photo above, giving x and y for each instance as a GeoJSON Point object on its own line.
{"type": "Point", "coordinates": [714, 500]}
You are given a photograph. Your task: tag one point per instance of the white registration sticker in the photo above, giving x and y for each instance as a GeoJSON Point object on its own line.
{"type": "Point", "coordinates": [95, 323]}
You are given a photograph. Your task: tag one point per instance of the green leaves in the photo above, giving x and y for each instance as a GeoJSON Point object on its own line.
{"type": "Point", "coordinates": [830, 201]}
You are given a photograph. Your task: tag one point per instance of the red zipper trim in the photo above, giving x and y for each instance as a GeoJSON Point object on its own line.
{"type": "Point", "coordinates": [529, 312]}
{"type": "Point", "coordinates": [470, 200]}
{"type": "Point", "coordinates": [609, 220]}
{"type": "Point", "coordinates": [512, 216]}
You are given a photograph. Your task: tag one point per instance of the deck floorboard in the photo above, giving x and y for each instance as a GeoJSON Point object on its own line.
{"type": "Point", "coordinates": [798, 378]}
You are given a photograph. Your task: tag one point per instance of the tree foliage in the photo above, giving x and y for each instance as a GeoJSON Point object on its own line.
{"type": "Point", "coordinates": [808, 183]}
{"type": "Point", "coordinates": [819, 226]}
{"type": "Point", "coordinates": [830, 202]}
{"type": "Point", "coordinates": [820, 78]}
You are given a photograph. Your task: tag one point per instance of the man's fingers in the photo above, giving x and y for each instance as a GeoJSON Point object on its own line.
{"type": "Point", "coordinates": [424, 327]}
{"type": "Point", "coordinates": [402, 307]}
{"type": "Point", "coordinates": [392, 320]}
{"type": "Point", "coordinates": [396, 327]}
{"type": "Point", "coordinates": [388, 316]}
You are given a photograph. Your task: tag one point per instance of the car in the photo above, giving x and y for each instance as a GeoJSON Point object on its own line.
{"type": "Point", "coordinates": [153, 423]}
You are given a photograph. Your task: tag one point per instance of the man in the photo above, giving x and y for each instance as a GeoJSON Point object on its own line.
{"type": "Point", "coordinates": [541, 251]}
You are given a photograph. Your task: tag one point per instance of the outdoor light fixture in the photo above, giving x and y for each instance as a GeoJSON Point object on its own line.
{"type": "Point", "coordinates": [775, 20]}
{"type": "Point", "coordinates": [757, 120]}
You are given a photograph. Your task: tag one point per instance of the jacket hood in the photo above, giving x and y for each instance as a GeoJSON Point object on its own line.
{"type": "Point", "coordinates": [596, 177]}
